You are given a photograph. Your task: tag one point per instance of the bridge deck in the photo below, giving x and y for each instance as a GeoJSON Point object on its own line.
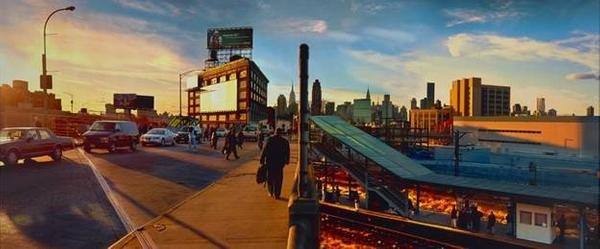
{"type": "Point", "coordinates": [234, 212]}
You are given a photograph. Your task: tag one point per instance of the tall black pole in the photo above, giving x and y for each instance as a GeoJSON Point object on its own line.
{"type": "Point", "coordinates": [303, 118]}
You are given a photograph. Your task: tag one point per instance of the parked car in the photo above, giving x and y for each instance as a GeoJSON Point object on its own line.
{"type": "Point", "coordinates": [251, 132]}
{"type": "Point", "coordinates": [158, 136]}
{"type": "Point", "coordinates": [183, 135]}
{"type": "Point", "coordinates": [110, 135]}
{"type": "Point", "coordinates": [27, 142]}
{"type": "Point", "coordinates": [221, 132]}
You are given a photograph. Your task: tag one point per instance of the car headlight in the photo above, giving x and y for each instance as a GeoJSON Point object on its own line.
{"type": "Point", "coordinates": [104, 140]}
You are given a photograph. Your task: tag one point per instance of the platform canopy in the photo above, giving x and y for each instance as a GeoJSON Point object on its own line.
{"type": "Point", "coordinates": [407, 169]}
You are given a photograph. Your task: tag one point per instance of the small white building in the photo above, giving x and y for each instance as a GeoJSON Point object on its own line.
{"type": "Point", "coordinates": [535, 223]}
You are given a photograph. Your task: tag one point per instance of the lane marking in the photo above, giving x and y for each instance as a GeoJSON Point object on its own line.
{"type": "Point", "coordinates": [143, 238]}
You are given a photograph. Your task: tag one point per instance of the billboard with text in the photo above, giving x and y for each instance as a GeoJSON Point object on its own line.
{"type": "Point", "coordinates": [230, 38]}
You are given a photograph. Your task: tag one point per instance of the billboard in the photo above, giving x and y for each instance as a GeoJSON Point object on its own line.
{"type": "Point", "coordinates": [124, 100]}
{"type": "Point", "coordinates": [229, 38]}
{"type": "Point", "coordinates": [220, 97]}
{"type": "Point", "coordinates": [144, 102]}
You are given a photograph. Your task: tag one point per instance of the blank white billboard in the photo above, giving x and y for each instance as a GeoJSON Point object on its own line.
{"type": "Point", "coordinates": [220, 97]}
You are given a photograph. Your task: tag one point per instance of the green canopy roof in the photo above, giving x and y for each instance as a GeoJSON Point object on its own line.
{"type": "Point", "coordinates": [402, 166]}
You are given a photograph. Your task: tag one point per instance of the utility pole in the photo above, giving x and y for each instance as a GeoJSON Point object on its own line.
{"type": "Point", "coordinates": [70, 95]}
{"type": "Point", "coordinates": [457, 136]}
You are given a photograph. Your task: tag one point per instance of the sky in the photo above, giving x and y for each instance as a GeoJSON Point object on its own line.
{"type": "Point", "coordinates": [547, 49]}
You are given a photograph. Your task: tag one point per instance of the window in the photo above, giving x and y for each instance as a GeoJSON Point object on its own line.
{"type": "Point", "coordinates": [223, 78]}
{"type": "Point", "coordinates": [243, 116]}
{"type": "Point", "coordinates": [44, 134]}
{"type": "Point", "coordinates": [243, 74]}
{"type": "Point", "coordinates": [243, 83]}
{"type": "Point", "coordinates": [525, 217]}
{"type": "Point", "coordinates": [33, 135]}
{"type": "Point", "coordinates": [541, 220]}
{"type": "Point", "coordinates": [213, 80]}
{"type": "Point", "coordinates": [242, 94]}
{"type": "Point", "coordinates": [232, 116]}
{"type": "Point", "coordinates": [242, 105]}
{"type": "Point", "coordinates": [222, 118]}
{"type": "Point", "coordinates": [232, 76]}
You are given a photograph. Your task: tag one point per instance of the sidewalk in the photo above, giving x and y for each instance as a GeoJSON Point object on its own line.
{"type": "Point", "coordinates": [233, 212]}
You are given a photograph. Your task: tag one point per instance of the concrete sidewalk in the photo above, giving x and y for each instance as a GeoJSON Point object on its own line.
{"type": "Point", "coordinates": [233, 212]}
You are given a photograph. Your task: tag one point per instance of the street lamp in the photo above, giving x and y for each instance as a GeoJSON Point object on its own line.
{"type": "Point", "coordinates": [46, 81]}
{"type": "Point", "coordinates": [180, 90]}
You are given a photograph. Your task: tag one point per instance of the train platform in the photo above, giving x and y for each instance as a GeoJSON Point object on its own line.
{"type": "Point", "coordinates": [233, 212]}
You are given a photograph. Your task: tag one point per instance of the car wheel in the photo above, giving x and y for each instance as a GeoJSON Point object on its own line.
{"type": "Point", "coordinates": [133, 146]}
{"type": "Point", "coordinates": [173, 142]}
{"type": "Point", "coordinates": [56, 154]}
{"type": "Point", "coordinates": [12, 158]}
{"type": "Point", "coordinates": [162, 142]}
{"type": "Point", "coordinates": [112, 147]}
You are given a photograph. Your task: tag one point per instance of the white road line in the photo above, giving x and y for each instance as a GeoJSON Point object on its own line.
{"type": "Point", "coordinates": [144, 239]}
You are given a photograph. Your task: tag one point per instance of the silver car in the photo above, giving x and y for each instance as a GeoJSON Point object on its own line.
{"type": "Point", "coordinates": [158, 136]}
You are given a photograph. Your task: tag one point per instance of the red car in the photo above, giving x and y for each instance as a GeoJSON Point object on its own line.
{"type": "Point", "coordinates": [26, 142]}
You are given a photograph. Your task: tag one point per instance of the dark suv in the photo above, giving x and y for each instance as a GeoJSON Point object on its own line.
{"type": "Point", "coordinates": [110, 135]}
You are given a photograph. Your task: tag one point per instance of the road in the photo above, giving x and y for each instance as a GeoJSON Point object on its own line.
{"type": "Point", "coordinates": [45, 204]}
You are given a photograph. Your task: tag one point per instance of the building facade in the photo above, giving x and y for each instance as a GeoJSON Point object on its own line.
{"type": "Point", "coordinates": [575, 136]}
{"type": "Point", "coordinates": [362, 113]}
{"type": "Point", "coordinates": [330, 108]}
{"type": "Point", "coordinates": [468, 97]}
{"type": "Point", "coordinates": [281, 108]}
{"type": "Point", "coordinates": [232, 93]}
{"type": "Point", "coordinates": [590, 111]}
{"type": "Point", "coordinates": [433, 120]}
{"type": "Point", "coordinates": [316, 100]}
{"type": "Point", "coordinates": [540, 106]}
{"type": "Point", "coordinates": [430, 94]}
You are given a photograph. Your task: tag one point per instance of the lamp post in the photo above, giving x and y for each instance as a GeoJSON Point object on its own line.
{"type": "Point", "coordinates": [180, 90]}
{"type": "Point", "coordinates": [45, 81]}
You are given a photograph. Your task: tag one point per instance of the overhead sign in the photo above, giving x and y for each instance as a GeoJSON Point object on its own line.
{"type": "Point", "coordinates": [144, 102]}
{"type": "Point", "coordinates": [229, 38]}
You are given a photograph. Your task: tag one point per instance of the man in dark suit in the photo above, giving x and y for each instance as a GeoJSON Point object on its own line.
{"type": "Point", "coordinates": [275, 156]}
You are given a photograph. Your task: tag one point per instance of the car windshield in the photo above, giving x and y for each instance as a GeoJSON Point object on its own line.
{"type": "Point", "coordinates": [10, 135]}
{"type": "Point", "coordinates": [103, 126]}
{"type": "Point", "coordinates": [251, 128]}
{"type": "Point", "coordinates": [221, 129]}
{"type": "Point", "coordinates": [157, 131]}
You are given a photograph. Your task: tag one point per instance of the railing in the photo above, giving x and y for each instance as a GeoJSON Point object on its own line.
{"type": "Point", "coordinates": [303, 208]}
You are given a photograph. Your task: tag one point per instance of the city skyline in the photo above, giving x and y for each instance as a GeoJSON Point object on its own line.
{"type": "Point", "coordinates": [386, 46]}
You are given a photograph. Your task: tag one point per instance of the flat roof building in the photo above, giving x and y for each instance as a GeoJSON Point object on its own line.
{"type": "Point", "coordinates": [232, 93]}
{"type": "Point", "coordinates": [468, 97]}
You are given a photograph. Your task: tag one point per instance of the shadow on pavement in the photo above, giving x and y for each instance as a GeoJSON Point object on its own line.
{"type": "Point", "coordinates": [55, 205]}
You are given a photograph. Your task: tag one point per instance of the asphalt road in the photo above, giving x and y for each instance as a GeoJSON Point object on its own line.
{"type": "Point", "coordinates": [47, 204]}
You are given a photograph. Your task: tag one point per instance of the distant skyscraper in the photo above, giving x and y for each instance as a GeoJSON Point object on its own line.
{"type": "Point", "coordinates": [316, 104]}
{"type": "Point", "coordinates": [403, 113]}
{"type": "Point", "coordinates": [368, 94]}
{"type": "Point", "coordinates": [413, 103]}
{"type": "Point", "coordinates": [540, 106]}
{"type": "Point", "coordinates": [516, 109]}
{"type": "Point", "coordinates": [387, 110]}
{"type": "Point", "coordinates": [293, 106]}
{"type": "Point", "coordinates": [330, 108]}
{"type": "Point", "coordinates": [281, 108]}
{"type": "Point", "coordinates": [552, 112]}
{"type": "Point", "coordinates": [468, 97]}
{"type": "Point", "coordinates": [430, 94]}
{"type": "Point", "coordinates": [590, 111]}
{"type": "Point", "coordinates": [362, 111]}
{"type": "Point", "coordinates": [344, 110]}
{"type": "Point", "coordinates": [424, 103]}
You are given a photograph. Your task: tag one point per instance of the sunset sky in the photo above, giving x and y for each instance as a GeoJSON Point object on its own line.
{"type": "Point", "coordinates": [539, 49]}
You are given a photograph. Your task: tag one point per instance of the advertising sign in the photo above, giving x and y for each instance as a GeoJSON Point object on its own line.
{"type": "Point", "coordinates": [124, 101]}
{"type": "Point", "coordinates": [144, 102]}
{"type": "Point", "coordinates": [229, 38]}
{"type": "Point", "coordinates": [220, 97]}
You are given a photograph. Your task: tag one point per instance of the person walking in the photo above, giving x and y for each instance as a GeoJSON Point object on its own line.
{"type": "Point", "coordinates": [240, 139]}
{"type": "Point", "coordinates": [261, 140]}
{"type": "Point", "coordinates": [275, 156]}
{"type": "Point", "coordinates": [562, 224]}
{"type": "Point", "coordinates": [214, 139]}
{"type": "Point", "coordinates": [192, 138]}
{"type": "Point", "coordinates": [491, 222]}
{"type": "Point", "coordinates": [231, 145]}
{"type": "Point", "coordinates": [453, 216]}
{"type": "Point", "coordinates": [476, 218]}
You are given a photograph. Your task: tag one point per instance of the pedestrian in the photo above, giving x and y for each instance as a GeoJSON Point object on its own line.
{"type": "Point", "coordinates": [476, 214]}
{"type": "Point", "coordinates": [562, 224]}
{"type": "Point", "coordinates": [36, 122]}
{"type": "Point", "coordinates": [206, 134]}
{"type": "Point", "coordinates": [509, 222]}
{"type": "Point", "coordinates": [491, 222]}
{"type": "Point", "coordinates": [275, 155]}
{"type": "Point", "coordinates": [261, 140]}
{"type": "Point", "coordinates": [192, 138]}
{"type": "Point", "coordinates": [453, 216]}
{"type": "Point", "coordinates": [240, 139]}
{"type": "Point", "coordinates": [230, 145]}
{"type": "Point", "coordinates": [214, 139]}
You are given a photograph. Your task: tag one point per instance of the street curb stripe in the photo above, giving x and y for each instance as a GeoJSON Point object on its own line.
{"type": "Point", "coordinates": [144, 239]}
